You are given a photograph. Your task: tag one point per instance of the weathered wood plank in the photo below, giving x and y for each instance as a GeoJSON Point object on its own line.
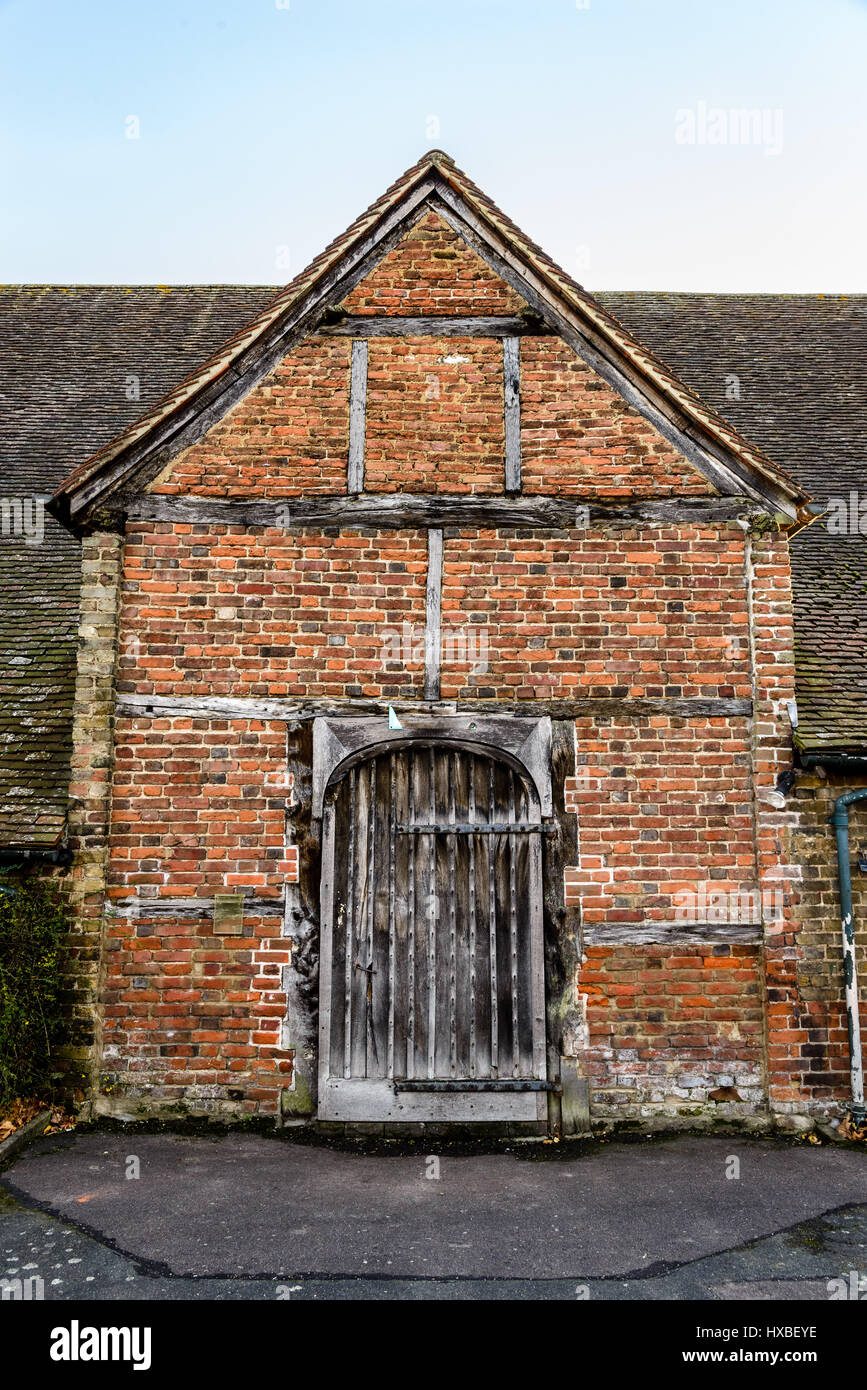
{"type": "Point", "coordinates": [663, 933]}
{"type": "Point", "coordinates": [410, 987]}
{"type": "Point", "coordinates": [351, 1100]}
{"type": "Point", "coordinates": [389, 511]}
{"type": "Point", "coordinates": [137, 906]}
{"type": "Point", "coordinates": [453, 924]}
{"type": "Point", "coordinates": [219, 707]}
{"type": "Point", "coordinates": [435, 326]}
{"type": "Point", "coordinates": [327, 899]}
{"type": "Point", "coordinates": [513, 933]}
{"type": "Point", "coordinates": [357, 417]}
{"type": "Point", "coordinates": [471, 907]}
{"type": "Point", "coordinates": [492, 927]}
{"type": "Point", "coordinates": [392, 926]}
{"type": "Point", "coordinates": [433, 615]}
{"type": "Point", "coordinates": [512, 412]}
{"type": "Point", "coordinates": [350, 931]}
{"type": "Point", "coordinates": [368, 968]}
{"type": "Point", "coordinates": [432, 926]}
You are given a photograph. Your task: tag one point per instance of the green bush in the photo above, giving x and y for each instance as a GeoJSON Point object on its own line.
{"type": "Point", "coordinates": [32, 927]}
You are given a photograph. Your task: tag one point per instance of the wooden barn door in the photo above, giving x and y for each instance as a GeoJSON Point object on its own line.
{"type": "Point", "coordinates": [432, 985]}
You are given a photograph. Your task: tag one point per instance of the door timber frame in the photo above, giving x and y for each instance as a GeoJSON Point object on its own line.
{"type": "Point", "coordinates": [339, 745]}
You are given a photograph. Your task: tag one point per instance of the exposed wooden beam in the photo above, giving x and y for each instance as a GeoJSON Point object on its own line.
{"type": "Point", "coordinates": [512, 411]}
{"type": "Point", "coordinates": [357, 417]}
{"type": "Point", "coordinates": [230, 707]}
{"type": "Point", "coordinates": [434, 326]}
{"type": "Point", "coordinates": [433, 615]}
{"type": "Point", "coordinates": [671, 933]}
{"type": "Point", "coordinates": [137, 906]}
{"type": "Point", "coordinates": [395, 511]}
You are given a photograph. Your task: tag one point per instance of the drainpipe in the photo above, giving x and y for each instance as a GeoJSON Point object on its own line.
{"type": "Point", "coordinates": [840, 820]}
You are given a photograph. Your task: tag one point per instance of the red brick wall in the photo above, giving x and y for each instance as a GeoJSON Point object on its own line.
{"type": "Point", "coordinates": [618, 613]}
{"type": "Point", "coordinates": [435, 415]}
{"type": "Point", "coordinates": [435, 405]}
{"type": "Point", "coordinates": [578, 436]}
{"type": "Point", "coordinates": [432, 271]}
{"type": "Point", "coordinates": [226, 611]}
{"type": "Point", "coordinates": [664, 810]}
{"type": "Point", "coordinates": [289, 436]}
{"type": "Point", "coordinates": [199, 808]}
{"type": "Point", "coordinates": [668, 1026]}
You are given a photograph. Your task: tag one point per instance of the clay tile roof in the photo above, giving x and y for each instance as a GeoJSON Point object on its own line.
{"type": "Point", "coordinates": [65, 355]}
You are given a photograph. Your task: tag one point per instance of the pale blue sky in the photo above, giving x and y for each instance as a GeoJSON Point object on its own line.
{"type": "Point", "coordinates": [264, 126]}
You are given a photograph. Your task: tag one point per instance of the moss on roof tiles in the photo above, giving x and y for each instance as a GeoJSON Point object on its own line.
{"type": "Point", "coordinates": [65, 354]}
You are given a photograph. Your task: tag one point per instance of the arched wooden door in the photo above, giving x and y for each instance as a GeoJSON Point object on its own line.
{"type": "Point", "coordinates": [432, 976]}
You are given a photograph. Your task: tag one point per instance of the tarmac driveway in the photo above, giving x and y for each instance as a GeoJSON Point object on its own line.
{"type": "Point", "coordinates": [676, 1217]}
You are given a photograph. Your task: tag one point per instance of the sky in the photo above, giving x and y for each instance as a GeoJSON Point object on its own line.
{"type": "Point", "coordinates": [227, 141]}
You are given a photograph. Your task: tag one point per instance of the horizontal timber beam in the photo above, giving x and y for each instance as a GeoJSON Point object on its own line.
{"type": "Point", "coordinates": [396, 511]}
{"type": "Point", "coordinates": [435, 326]}
{"type": "Point", "coordinates": [228, 707]}
{"type": "Point", "coordinates": [193, 908]}
{"type": "Point", "coordinates": [671, 933]}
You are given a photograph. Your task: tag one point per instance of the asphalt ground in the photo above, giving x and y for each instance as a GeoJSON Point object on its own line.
{"type": "Point", "coordinates": [97, 1215]}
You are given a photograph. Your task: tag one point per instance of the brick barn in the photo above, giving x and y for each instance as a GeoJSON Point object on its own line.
{"type": "Point", "coordinates": [445, 745]}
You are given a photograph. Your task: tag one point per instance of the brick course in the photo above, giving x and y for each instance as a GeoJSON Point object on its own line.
{"type": "Point", "coordinates": [616, 613]}
{"type": "Point", "coordinates": [226, 611]}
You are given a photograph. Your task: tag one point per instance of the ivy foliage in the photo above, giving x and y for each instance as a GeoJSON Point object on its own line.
{"type": "Point", "coordinates": [32, 928]}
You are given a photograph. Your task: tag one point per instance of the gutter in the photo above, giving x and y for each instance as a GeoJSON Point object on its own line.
{"type": "Point", "coordinates": [840, 820]}
{"type": "Point", "coordinates": [10, 858]}
{"type": "Point", "coordinates": [837, 762]}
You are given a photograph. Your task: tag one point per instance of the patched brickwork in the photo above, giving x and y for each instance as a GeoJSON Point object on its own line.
{"type": "Point", "coordinates": [823, 1050]}
{"type": "Point", "coordinates": [200, 809]}
{"type": "Point", "coordinates": [664, 810]}
{"type": "Point", "coordinates": [578, 436]}
{"type": "Point", "coordinates": [774, 689]}
{"type": "Point", "coordinates": [432, 271]}
{"type": "Point", "coordinates": [619, 614]}
{"type": "Point", "coordinates": [90, 792]}
{"type": "Point", "coordinates": [435, 415]}
{"type": "Point", "coordinates": [667, 1028]}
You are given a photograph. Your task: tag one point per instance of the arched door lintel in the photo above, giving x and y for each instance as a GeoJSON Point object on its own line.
{"type": "Point", "coordinates": [525, 744]}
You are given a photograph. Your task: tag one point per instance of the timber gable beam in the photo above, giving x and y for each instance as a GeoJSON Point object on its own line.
{"type": "Point", "coordinates": [120, 473]}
